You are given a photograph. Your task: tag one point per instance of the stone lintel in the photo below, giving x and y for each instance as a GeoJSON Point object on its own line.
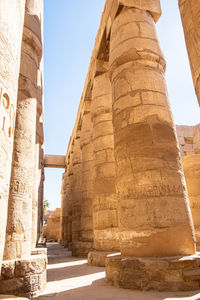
{"type": "Point", "coordinates": [159, 273]}
{"type": "Point", "coordinates": [54, 161]}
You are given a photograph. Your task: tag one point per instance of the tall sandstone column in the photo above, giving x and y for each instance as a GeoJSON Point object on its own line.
{"type": "Point", "coordinates": [154, 213]}
{"type": "Point", "coordinates": [190, 15]}
{"type": "Point", "coordinates": [63, 209]}
{"type": "Point", "coordinates": [104, 197]}
{"type": "Point", "coordinates": [18, 233]}
{"type": "Point", "coordinates": [87, 187]}
{"type": "Point", "coordinates": [11, 27]}
{"type": "Point", "coordinates": [155, 223]}
{"type": "Point", "coordinates": [77, 194]}
{"type": "Point", "coordinates": [69, 199]}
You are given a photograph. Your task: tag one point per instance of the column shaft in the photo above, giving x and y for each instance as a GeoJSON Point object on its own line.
{"type": "Point", "coordinates": [105, 221]}
{"type": "Point", "coordinates": [19, 226]}
{"type": "Point", "coordinates": [190, 15]}
{"type": "Point", "coordinates": [11, 28]}
{"type": "Point", "coordinates": [87, 165]}
{"type": "Point", "coordinates": [154, 213]}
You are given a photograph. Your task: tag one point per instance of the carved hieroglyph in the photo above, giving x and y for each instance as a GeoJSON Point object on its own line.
{"type": "Point", "coordinates": [105, 225]}
{"type": "Point", "coordinates": [154, 214]}
{"type": "Point", "coordinates": [87, 188]}
{"type": "Point", "coordinates": [19, 226]}
{"type": "Point", "coordinates": [11, 27]}
{"type": "Point", "coordinates": [190, 15]}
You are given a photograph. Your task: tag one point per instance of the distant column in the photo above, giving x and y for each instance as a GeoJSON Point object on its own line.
{"type": "Point", "coordinates": [11, 28]}
{"type": "Point", "coordinates": [19, 225]}
{"type": "Point", "coordinates": [190, 15]}
{"type": "Point", "coordinates": [87, 188]}
{"type": "Point", "coordinates": [105, 221]}
{"type": "Point", "coordinates": [154, 213]}
{"type": "Point", "coordinates": [76, 192]}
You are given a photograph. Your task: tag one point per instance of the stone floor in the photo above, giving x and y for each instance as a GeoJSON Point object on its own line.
{"type": "Point", "coordinates": [71, 278]}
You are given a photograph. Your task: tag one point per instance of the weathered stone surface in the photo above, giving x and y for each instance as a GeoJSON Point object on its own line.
{"type": "Point", "coordinates": [98, 258]}
{"type": "Point", "coordinates": [190, 8]}
{"type": "Point", "coordinates": [196, 139]}
{"type": "Point", "coordinates": [162, 274]}
{"type": "Point", "coordinates": [18, 232]}
{"type": "Point", "coordinates": [76, 192]}
{"type": "Point", "coordinates": [191, 167]}
{"type": "Point", "coordinates": [87, 177]}
{"type": "Point", "coordinates": [52, 230]}
{"type": "Point", "coordinates": [154, 213]}
{"type": "Point", "coordinates": [185, 136]}
{"type": "Point", "coordinates": [81, 249]}
{"type": "Point", "coordinates": [105, 223]}
{"type": "Point", "coordinates": [11, 27]}
{"type": "Point", "coordinates": [24, 277]}
{"type": "Point", "coordinates": [64, 209]}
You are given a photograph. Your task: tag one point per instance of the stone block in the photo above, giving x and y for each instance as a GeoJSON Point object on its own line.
{"type": "Point", "coordinates": [8, 270]}
{"type": "Point", "coordinates": [162, 274]}
{"type": "Point", "coordinates": [34, 265]}
{"type": "Point", "coordinates": [98, 258]}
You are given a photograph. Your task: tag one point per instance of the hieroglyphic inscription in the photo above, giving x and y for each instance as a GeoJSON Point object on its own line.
{"type": "Point", "coordinates": [7, 117]}
{"type": "Point", "coordinates": [20, 187]}
{"type": "Point", "coordinates": [155, 191]}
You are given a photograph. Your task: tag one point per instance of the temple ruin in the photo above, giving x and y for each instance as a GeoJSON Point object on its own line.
{"type": "Point", "coordinates": [130, 194]}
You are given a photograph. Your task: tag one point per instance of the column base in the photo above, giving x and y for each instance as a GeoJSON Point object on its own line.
{"type": "Point", "coordinates": [81, 249]}
{"type": "Point", "coordinates": [98, 258]}
{"type": "Point", "coordinates": [11, 297]}
{"type": "Point", "coordinates": [24, 277]}
{"type": "Point", "coordinates": [160, 273]}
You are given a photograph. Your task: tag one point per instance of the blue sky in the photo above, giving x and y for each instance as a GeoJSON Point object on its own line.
{"type": "Point", "coordinates": [70, 29]}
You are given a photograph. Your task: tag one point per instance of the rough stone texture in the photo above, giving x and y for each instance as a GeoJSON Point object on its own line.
{"type": "Point", "coordinates": [52, 230]}
{"type": "Point", "coordinates": [154, 213]}
{"type": "Point", "coordinates": [105, 223]}
{"type": "Point", "coordinates": [86, 227]}
{"type": "Point", "coordinates": [196, 131]}
{"type": "Point", "coordinates": [18, 232]}
{"type": "Point", "coordinates": [185, 136]}
{"type": "Point", "coordinates": [162, 274]}
{"type": "Point", "coordinates": [191, 167]}
{"type": "Point", "coordinates": [76, 193]}
{"type": "Point", "coordinates": [64, 209]}
{"type": "Point", "coordinates": [98, 258]}
{"type": "Point", "coordinates": [10, 297]}
{"type": "Point", "coordinates": [11, 27]}
{"type": "Point", "coordinates": [24, 277]}
{"type": "Point", "coordinates": [190, 8]}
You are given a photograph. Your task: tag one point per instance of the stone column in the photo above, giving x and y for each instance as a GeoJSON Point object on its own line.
{"type": "Point", "coordinates": [63, 209]}
{"type": "Point", "coordinates": [77, 194]}
{"type": "Point", "coordinates": [191, 167]}
{"type": "Point", "coordinates": [37, 166]}
{"type": "Point", "coordinates": [190, 15]}
{"type": "Point", "coordinates": [154, 213]}
{"type": "Point", "coordinates": [11, 27]}
{"type": "Point", "coordinates": [105, 221]}
{"type": "Point", "coordinates": [87, 186]}
{"type": "Point", "coordinates": [18, 233]}
{"type": "Point", "coordinates": [69, 200]}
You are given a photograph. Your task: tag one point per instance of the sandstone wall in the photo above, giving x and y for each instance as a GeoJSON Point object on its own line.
{"type": "Point", "coordinates": [52, 229]}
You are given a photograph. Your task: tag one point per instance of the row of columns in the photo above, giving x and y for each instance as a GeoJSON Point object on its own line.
{"type": "Point", "coordinates": [21, 115]}
{"type": "Point", "coordinates": [131, 194]}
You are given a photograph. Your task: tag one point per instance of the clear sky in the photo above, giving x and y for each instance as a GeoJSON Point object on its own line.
{"type": "Point", "coordinates": [70, 29]}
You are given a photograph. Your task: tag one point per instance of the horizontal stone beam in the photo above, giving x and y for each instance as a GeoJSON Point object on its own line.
{"type": "Point", "coordinates": [54, 161]}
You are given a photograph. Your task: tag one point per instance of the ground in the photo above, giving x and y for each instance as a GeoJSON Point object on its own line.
{"type": "Point", "coordinates": [71, 278]}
